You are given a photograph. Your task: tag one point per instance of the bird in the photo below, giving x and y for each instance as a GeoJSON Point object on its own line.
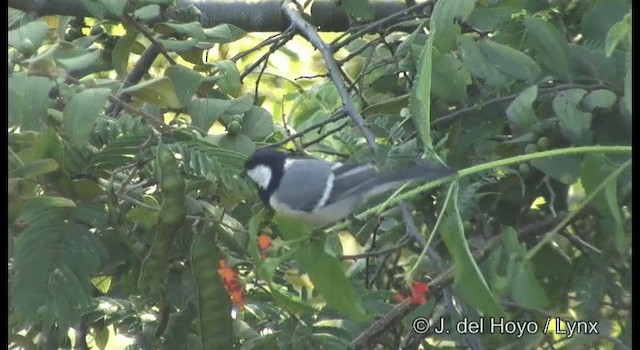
{"type": "Point", "coordinates": [319, 192]}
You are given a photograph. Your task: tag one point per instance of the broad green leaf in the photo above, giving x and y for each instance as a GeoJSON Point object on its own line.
{"type": "Point", "coordinates": [40, 203]}
{"type": "Point", "coordinates": [239, 143]}
{"type": "Point", "coordinates": [191, 30]}
{"type": "Point", "coordinates": [142, 215]}
{"type": "Point", "coordinates": [509, 61]}
{"type": "Point", "coordinates": [120, 54]}
{"type": "Point", "coordinates": [102, 283]}
{"type": "Point", "coordinates": [565, 169]}
{"type": "Point", "coordinates": [291, 229]}
{"type": "Point", "coordinates": [157, 91]}
{"type": "Point", "coordinates": [178, 45]}
{"type": "Point", "coordinates": [420, 99]}
{"type": "Point", "coordinates": [599, 99]}
{"type": "Point", "coordinates": [449, 77]}
{"type": "Point", "coordinates": [288, 302]}
{"type": "Point", "coordinates": [240, 105]}
{"type": "Point", "coordinates": [595, 169]}
{"type": "Point", "coordinates": [81, 112]}
{"type": "Point", "coordinates": [29, 37]}
{"type": "Point", "coordinates": [327, 275]}
{"type": "Point", "coordinates": [550, 45]}
{"type": "Point", "coordinates": [574, 123]}
{"type": "Point", "coordinates": [97, 9]}
{"type": "Point", "coordinates": [81, 61]}
{"type": "Point", "coordinates": [627, 84]}
{"type": "Point", "coordinates": [488, 19]}
{"type": "Point", "coordinates": [116, 7]}
{"type": "Point", "coordinates": [520, 112]}
{"type": "Point", "coordinates": [444, 19]}
{"type": "Point", "coordinates": [257, 123]}
{"type": "Point", "coordinates": [618, 32]}
{"type": "Point", "coordinates": [358, 9]}
{"type": "Point", "coordinates": [35, 168]}
{"type": "Point", "coordinates": [206, 111]}
{"type": "Point", "coordinates": [224, 33]}
{"type": "Point", "coordinates": [28, 100]}
{"type": "Point", "coordinates": [477, 62]}
{"type": "Point", "coordinates": [525, 288]}
{"type": "Point", "coordinates": [598, 19]}
{"type": "Point", "coordinates": [229, 80]}
{"type": "Point", "coordinates": [185, 81]}
{"type": "Point", "coordinates": [391, 106]}
{"type": "Point", "coordinates": [86, 189]}
{"type": "Point", "coordinates": [468, 280]}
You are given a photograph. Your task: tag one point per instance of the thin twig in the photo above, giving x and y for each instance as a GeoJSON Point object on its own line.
{"type": "Point", "coordinates": [337, 116]}
{"type": "Point", "coordinates": [332, 66]}
{"type": "Point", "coordinates": [149, 35]}
{"type": "Point", "coordinates": [443, 280]}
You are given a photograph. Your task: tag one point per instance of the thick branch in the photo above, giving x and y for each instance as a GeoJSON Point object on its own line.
{"type": "Point", "coordinates": [256, 16]}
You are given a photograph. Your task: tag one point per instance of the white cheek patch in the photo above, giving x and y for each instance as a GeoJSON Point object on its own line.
{"type": "Point", "coordinates": [261, 175]}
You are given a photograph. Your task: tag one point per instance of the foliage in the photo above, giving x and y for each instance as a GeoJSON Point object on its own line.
{"type": "Point", "coordinates": [130, 223]}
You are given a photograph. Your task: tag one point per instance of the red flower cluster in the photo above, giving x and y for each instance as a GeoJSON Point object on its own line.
{"type": "Point", "coordinates": [231, 283]}
{"type": "Point", "coordinates": [264, 243]}
{"type": "Point", "coordinates": [418, 291]}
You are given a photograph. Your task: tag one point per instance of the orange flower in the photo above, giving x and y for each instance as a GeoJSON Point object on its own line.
{"type": "Point", "coordinates": [418, 291]}
{"type": "Point", "coordinates": [231, 283]}
{"type": "Point", "coordinates": [264, 243]}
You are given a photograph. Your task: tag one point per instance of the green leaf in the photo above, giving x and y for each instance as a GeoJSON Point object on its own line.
{"type": "Point", "coordinates": [97, 9]}
{"type": "Point", "coordinates": [599, 99]}
{"type": "Point", "coordinates": [28, 100]}
{"type": "Point", "coordinates": [120, 54]}
{"type": "Point", "coordinates": [468, 280]}
{"type": "Point", "coordinates": [289, 302]}
{"type": "Point", "coordinates": [291, 229]}
{"type": "Point", "coordinates": [29, 37]}
{"type": "Point", "coordinates": [206, 111]}
{"type": "Point", "coordinates": [552, 49]}
{"type": "Point", "coordinates": [520, 111]}
{"type": "Point", "coordinates": [565, 169]}
{"type": "Point", "coordinates": [178, 45]}
{"type": "Point", "coordinates": [257, 123]}
{"type": "Point", "coordinates": [477, 62]}
{"type": "Point", "coordinates": [81, 61]}
{"type": "Point", "coordinates": [239, 143]}
{"type": "Point", "coordinates": [420, 99]}
{"type": "Point", "coordinates": [327, 275]}
{"type": "Point", "coordinates": [449, 78]}
{"type": "Point", "coordinates": [240, 105]}
{"type": "Point", "coordinates": [595, 169]}
{"type": "Point", "coordinates": [574, 123]}
{"type": "Point", "coordinates": [141, 215]}
{"type": "Point", "coordinates": [510, 61]}
{"type": "Point", "coordinates": [224, 33]}
{"type": "Point", "coordinates": [525, 288]}
{"type": "Point", "coordinates": [185, 81]}
{"type": "Point", "coordinates": [116, 7]}
{"type": "Point", "coordinates": [157, 91]}
{"type": "Point", "coordinates": [618, 32]}
{"type": "Point", "coordinates": [361, 10]}
{"type": "Point", "coordinates": [229, 79]}
{"type": "Point", "coordinates": [488, 19]}
{"type": "Point", "coordinates": [190, 30]}
{"type": "Point", "coordinates": [81, 112]}
{"type": "Point", "coordinates": [35, 168]}
{"type": "Point", "coordinates": [444, 19]}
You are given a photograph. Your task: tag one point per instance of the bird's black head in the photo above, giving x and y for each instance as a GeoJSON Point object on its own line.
{"type": "Point", "coordinates": [265, 168]}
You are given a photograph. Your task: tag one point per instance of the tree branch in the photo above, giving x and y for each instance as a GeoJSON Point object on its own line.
{"type": "Point", "coordinates": [332, 66]}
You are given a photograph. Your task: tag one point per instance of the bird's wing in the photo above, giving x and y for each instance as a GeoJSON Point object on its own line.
{"type": "Point", "coordinates": [304, 184]}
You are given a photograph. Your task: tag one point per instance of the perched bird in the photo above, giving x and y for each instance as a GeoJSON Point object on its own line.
{"type": "Point", "coordinates": [319, 192]}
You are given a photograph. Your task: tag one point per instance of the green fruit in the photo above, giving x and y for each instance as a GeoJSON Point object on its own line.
{"type": "Point", "coordinates": [538, 129]}
{"type": "Point", "coordinates": [234, 128]}
{"type": "Point", "coordinates": [531, 148]}
{"type": "Point", "coordinates": [543, 143]}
